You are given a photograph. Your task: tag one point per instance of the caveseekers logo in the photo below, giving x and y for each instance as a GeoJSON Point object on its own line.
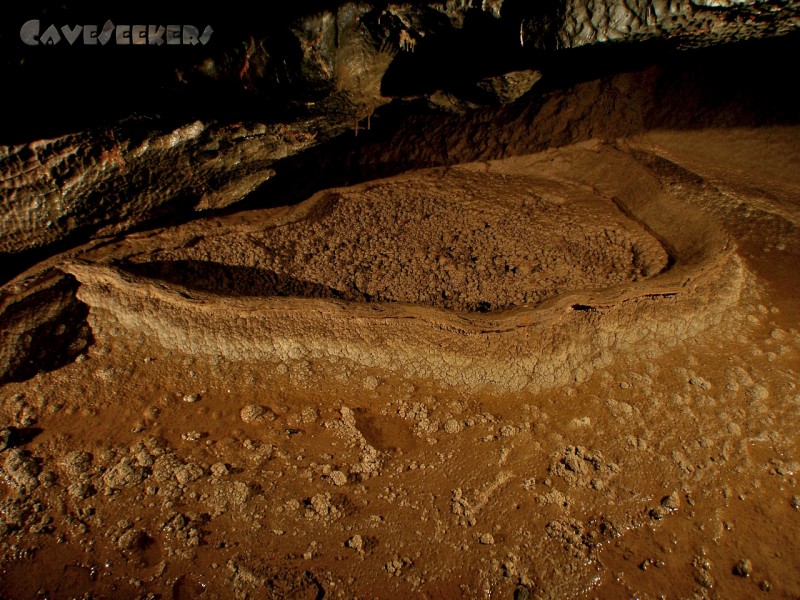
{"type": "Point", "coordinates": [122, 35]}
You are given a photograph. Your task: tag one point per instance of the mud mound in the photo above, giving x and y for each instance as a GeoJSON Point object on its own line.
{"type": "Point", "coordinates": [461, 240]}
{"type": "Point", "coordinates": [213, 287]}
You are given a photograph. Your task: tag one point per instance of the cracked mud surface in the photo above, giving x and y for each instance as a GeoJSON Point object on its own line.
{"type": "Point", "coordinates": [632, 432]}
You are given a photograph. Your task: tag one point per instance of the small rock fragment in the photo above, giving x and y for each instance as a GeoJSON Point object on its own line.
{"type": "Point", "coordinates": [132, 540]}
{"type": "Point", "coordinates": [79, 491]}
{"type": "Point", "coordinates": [338, 478]}
{"type": "Point", "coordinates": [452, 426]}
{"type": "Point", "coordinates": [671, 502]}
{"type": "Point", "coordinates": [508, 431]}
{"type": "Point", "coordinates": [702, 572]}
{"type": "Point", "coordinates": [700, 382]}
{"type": "Point", "coordinates": [219, 469]}
{"type": "Point", "coordinates": [164, 468]}
{"type": "Point", "coordinates": [123, 475]}
{"type": "Point", "coordinates": [487, 539]}
{"type": "Point", "coordinates": [744, 568]}
{"type": "Point", "coordinates": [757, 393]}
{"type": "Point", "coordinates": [188, 473]}
{"type": "Point", "coordinates": [22, 470]}
{"type": "Point", "coordinates": [356, 542]}
{"type": "Point", "coordinates": [254, 412]}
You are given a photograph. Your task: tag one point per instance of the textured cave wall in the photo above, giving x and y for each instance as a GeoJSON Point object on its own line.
{"type": "Point", "coordinates": [95, 142]}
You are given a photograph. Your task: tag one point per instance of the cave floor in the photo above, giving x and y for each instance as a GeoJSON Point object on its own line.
{"type": "Point", "coordinates": [668, 471]}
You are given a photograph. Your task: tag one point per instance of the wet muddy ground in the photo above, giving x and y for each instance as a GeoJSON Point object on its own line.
{"type": "Point", "coordinates": [666, 470]}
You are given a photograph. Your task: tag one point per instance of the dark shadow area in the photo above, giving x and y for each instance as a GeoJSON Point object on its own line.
{"type": "Point", "coordinates": [738, 85]}
{"type": "Point", "coordinates": [230, 280]}
{"type": "Point", "coordinates": [48, 342]}
{"type": "Point", "coordinates": [583, 308]}
{"type": "Point", "coordinates": [66, 88]}
{"type": "Point", "coordinates": [641, 87]}
{"type": "Point", "coordinates": [12, 437]}
{"type": "Point", "coordinates": [455, 58]}
{"type": "Point", "coordinates": [253, 282]}
{"type": "Point", "coordinates": [53, 90]}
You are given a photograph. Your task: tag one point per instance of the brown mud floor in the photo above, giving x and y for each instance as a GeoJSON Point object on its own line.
{"type": "Point", "coordinates": [564, 375]}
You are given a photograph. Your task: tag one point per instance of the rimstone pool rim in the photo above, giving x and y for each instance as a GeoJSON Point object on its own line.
{"type": "Point", "coordinates": [560, 341]}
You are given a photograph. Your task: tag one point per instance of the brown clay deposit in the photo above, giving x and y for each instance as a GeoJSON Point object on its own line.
{"type": "Point", "coordinates": [465, 239]}
{"type": "Point", "coordinates": [570, 374]}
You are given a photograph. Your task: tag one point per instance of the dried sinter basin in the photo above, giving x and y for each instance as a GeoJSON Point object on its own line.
{"type": "Point", "coordinates": [527, 272]}
{"type": "Point", "coordinates": [461, 240]}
